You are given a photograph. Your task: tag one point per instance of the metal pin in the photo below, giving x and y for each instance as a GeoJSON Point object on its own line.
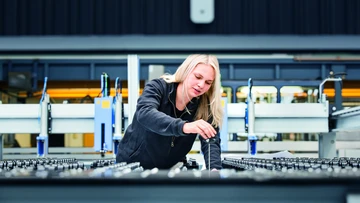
{"type": "Point", "coordinates": [209, 141]}
{"type": "Point", "coordinates": [209, 156]}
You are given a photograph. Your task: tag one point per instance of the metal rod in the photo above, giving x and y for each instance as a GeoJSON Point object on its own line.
{"type": "Point", "coordinates": [44, 116]}
{"type": "Point", "coordinates": [251, 121]}
{"type": "Point", "coordinates": [42, 139]}
{"type": "Point", "coordinates": [118, 123]}
{"type": "Point", "coordinates": [209, 157]}
{"type": "Point", "coordinates": [1, 146]}
{"type": "Point", "coordinates": [321, 87]}
{"type": "Point", "coordinates": [118, 113]}
{"type": "Point", "coordinates": [133, 84]}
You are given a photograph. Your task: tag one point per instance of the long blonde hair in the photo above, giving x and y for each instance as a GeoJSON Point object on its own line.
{"type": "Point", "coordinates": [212, 97]}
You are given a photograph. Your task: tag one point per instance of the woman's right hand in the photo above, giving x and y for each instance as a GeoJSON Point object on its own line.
{"type": "Point", "coordinates": [201, 127]}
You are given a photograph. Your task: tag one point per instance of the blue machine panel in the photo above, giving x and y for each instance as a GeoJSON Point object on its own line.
{"type": "Point", "coordinates": [300, 71]}
{"type": "Point", "coordinates": [59, 70]}
{"type": "Point", "coordinates": [103, 124]}
{"type": "Point", "coordinates": [263, 71]}
{"type": "Point", "coordinates": [353, 72]}
{"type": "Point", "coordinates": [112, 69]}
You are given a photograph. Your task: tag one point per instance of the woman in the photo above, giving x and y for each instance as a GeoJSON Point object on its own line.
{"type": "Point", "coordinates": [171, 112]}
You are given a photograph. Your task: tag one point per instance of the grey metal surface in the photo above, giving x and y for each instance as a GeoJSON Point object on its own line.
{"type": "Point", "coordinates": [78, 118]}
{"type": "Point", "coordinates": [263, 146]}
{"type": "Point", "coordinates": [327, 145]}
{"type": "Point", "coordinates": [281, 118]}
{"type": "Point", "coordinates": [20, 118]}
{"type": "Point", "coordinates": [66, 118]}
{"type": "Point", "coordinates": [1, 146]}
{"type": "Point", "coordinates": [54, 150]}
{"type": "Point", "coordinates": [88, 157]}
{"type": "Point", "coordinates": [269, 118]}
{"type": "Point", "coordinates": [180, 43]}
{"type": "Point", "coordinates": [347, 129]}
{"type": "Point", "coordinates": [239, 146]}
{"type": "Point", "coordinates": [352, 198]}
{"type": "Point", "coordinates": [73, 118]}
{"type": "Point", "coordinates": [120, 192]}
{"type": "Point", "coordinates": [348, 136]}
{"type": "Point", "coordinates": [347, 120]}
{"type": "Point", "coordinates": [133, 84]}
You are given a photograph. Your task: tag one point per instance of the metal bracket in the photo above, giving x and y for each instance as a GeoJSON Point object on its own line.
{"type": "Point", "coordinates": [49, 122]}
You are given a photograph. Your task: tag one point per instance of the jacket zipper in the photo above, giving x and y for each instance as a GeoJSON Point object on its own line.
{"type": "Point", "coordinates": [172, 141]}
{"type": "Point", "coordinates": [172, 144]}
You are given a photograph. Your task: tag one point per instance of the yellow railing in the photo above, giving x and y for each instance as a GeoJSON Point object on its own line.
{"type": "Point", "coordinates": [77, 93]}
{"type": "Point", "coordinates": [95, 92]}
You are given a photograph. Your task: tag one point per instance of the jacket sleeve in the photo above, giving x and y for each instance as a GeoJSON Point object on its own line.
{"type": "Point", "coordinates": [148, 115]}
{"type": "Point", "coordinates": [215, 152]}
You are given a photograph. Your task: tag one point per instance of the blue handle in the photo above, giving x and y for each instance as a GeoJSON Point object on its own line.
{"type": "Point", "coordinates": [252, 145]}
{"type": "Point", "coordinates": [40, 146]}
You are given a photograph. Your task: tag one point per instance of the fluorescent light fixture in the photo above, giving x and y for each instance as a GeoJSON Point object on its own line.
{"type": "Point", "coordinates": [291, 90]}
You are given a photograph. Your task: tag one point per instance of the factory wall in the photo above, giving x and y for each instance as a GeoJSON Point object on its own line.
{"type": "Point", "coordinates": [235, 69]}
{"type": "Point", "coordinates": [154, 17]}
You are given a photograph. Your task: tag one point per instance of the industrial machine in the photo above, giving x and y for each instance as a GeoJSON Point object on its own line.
{"type": "Point", "coordinates": [241, 179]}
{"type": "Point", "coordinates": [249, 178]}
{"type": "Point", "coordinates": [249, 121]}
{"type": "Point", "coordinates": [108, 117]}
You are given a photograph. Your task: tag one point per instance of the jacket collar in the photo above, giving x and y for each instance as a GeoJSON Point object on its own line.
{"type": "Point", "coordinates": [192, 105]}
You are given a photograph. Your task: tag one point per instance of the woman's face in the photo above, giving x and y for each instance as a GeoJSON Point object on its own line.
{"type": "Point", "coordinates": [200, 80]}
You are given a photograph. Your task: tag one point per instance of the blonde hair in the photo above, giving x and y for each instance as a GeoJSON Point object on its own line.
{"type": "Point", "coordinates": [212, 97]}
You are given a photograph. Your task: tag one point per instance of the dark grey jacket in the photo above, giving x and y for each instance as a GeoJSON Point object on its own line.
{"type": "Point", "coordinates": [155, 126]}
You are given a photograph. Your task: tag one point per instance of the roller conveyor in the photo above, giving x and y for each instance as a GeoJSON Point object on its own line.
{"type": "Point", "coordinates": [233, 168]}
{"type": "Point", "coordinates": [246, 179]}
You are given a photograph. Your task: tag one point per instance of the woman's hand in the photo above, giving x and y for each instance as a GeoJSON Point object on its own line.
{"type": "Point", "coordinates": [201, 127]}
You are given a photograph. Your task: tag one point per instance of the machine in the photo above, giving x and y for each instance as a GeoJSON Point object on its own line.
{"type": "Point", "coordinates": [108, 117]}
{"type": "Point", "coordinates": [241, 179]}
{"type": "Point", "coordinates": [247, 178]}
